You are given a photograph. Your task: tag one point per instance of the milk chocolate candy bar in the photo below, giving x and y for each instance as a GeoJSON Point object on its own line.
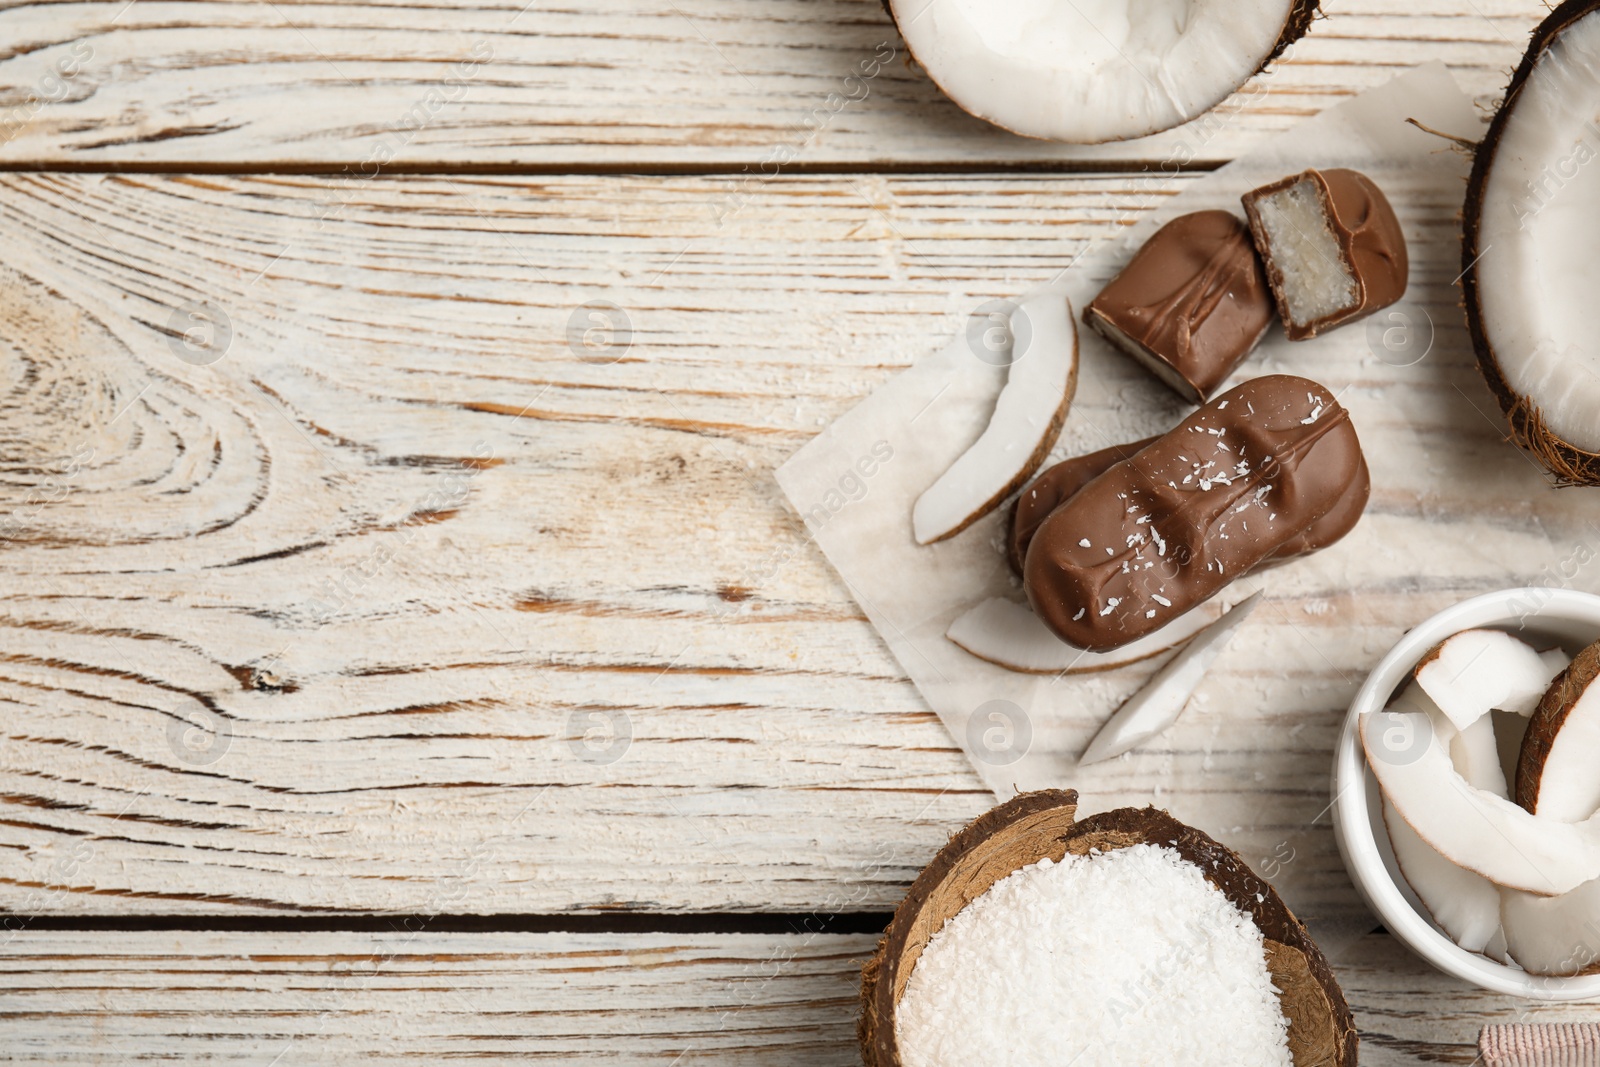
{"type": "Point", "coordinates": [1190, 305]}
{"type": "Point", "coordinates": [1054, 487]}
{"type": "Point", "coordinates": [1059, 483]}
{"type": "Point", "coordinates": [1243, 478]}
{"type": "Point", "coordinates": [1332, 246]}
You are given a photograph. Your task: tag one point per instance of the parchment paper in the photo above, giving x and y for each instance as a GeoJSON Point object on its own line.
{"type": "Point", "coordinates": [1250, 761]}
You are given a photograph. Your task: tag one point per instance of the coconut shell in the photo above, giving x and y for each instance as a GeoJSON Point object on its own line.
{"type": "Point", "coordinates": [1032, 826]}
{"type": "Point", "coordinates": [1569, 464]}
{"type": "Point", "coordinates": [1546, 723]}
{"type": "Point", "coordinates": [1301, 14]}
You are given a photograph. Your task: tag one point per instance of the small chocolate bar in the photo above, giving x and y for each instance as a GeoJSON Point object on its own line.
{"type": "Point", "coordinates": [1243, 479]}
{"type": "Point", "coordinates": [1332, 246]}
{"type": "Point", "coordinates": [1190, 305]}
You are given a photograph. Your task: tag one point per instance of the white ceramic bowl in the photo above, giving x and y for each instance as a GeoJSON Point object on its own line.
{"type": "Point", "coordinates": [1543, 617]}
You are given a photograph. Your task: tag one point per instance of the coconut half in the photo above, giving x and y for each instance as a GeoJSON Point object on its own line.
{"type": "Point", "coordinates": [1531, 224]}
{"type": "Point", "coordinates": [1010, 635]}
{"type": "Point", "coordinates": [1033, 826]}
{"type": "Point", "coordinates": [1091, 71]}
{"type": "Point", "coordinates": [1027, 417]}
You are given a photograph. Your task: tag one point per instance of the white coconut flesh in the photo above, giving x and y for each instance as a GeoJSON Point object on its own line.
{"type": "Point", "coordinates": [1470, 827]}
{"type": "Point", "coordinates": [1010, 635]}
{"type": "Point", "coordinates": [1569, 780]}
{"type": "Point", "coordinates": [1553, 935]}
{"type": "Point", "coordinates": [1463, 904]}
{"type": "Point", "coordinates": [1153, 709]}
{"type": "Point", "coordinates": [1475, 753]}
{"type": "Point", "coordinates": [1027, 415]}
{"type": "Point", "coordinates": [1538, 231]}
{"type": "Point", "coordinates": [1316, 282]}
{"type": "Point", "coordinates": [1089, 71]}
{"type": "Point", "coordinates": [1476, 671]}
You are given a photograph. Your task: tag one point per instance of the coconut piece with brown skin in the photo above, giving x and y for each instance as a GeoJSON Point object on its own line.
{"type": "Point", "coordinates": [1033, 826]}
{"type": "Point", "coordinates": [1472, 672]}
{"type": "Point", "coordinates": [1471, 827]}
{"type": "Point", "coordinates": [1558, 771]}
{"type": "Point", "coordinates": [1010, 635]}
{"type": "Point", "coordinates": [1529, 273]}
{"type": "Point", "coordinates": [1333, 248]}
{"type": "Point", "coordinates": [1027, 417]}
{"type": "Point", "coordinates": [1093, 71]}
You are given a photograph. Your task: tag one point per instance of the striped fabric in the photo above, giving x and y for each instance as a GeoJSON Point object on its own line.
{"type": "Point", "coordinates": [1540, 1045]}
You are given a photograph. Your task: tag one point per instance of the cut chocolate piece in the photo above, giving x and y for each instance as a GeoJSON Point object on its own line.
{"type": "Point", "coordinates": [1170, 527]}
{"type": "Point", "coordinates": [1190, 305]}
{"type": "Point", "coordinates": [1060, 482]}
{"type": "Point", "coordinates": [1332, 246]}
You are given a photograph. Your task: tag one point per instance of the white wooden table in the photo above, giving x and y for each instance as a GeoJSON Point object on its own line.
{"type": "Point", "coordinates": [383, 681]}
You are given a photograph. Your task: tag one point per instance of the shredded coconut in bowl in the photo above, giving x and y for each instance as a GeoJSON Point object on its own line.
{"type": "Point", "coordinates": [1123, 957]}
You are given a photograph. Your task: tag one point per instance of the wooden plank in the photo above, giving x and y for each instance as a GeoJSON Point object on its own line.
{"type": "Point", "coordinates": [399, 605]}
{"type": "Point", "coordinates": [635, 84]}
{"type": "Point", "coordinates": [410, 996]}
{"type": "Point", "coordinates": [351, 617]}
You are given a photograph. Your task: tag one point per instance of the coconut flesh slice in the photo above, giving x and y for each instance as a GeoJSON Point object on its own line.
{"type": "Point", "coordinates": [1027, 417]}
{"type": "Point", "coordinates": [1463, 904]}
{"type": "Point", "coordinates": [1532, 222]}
{"type": "Point", "coordinates": [1472, 828]}
{"type": "Point", "coordinates": [1476, 757]}
{"type": "Point", "coordinates": [1474, 752]}
{"type": "Point", "coordinates": [1558, 773]}
{"type": "Point", "coordinates": [1091, 71]}
{"type": "Point", "coordinates": [1475, 671]}
{"type": "Point", "coordinates": [1158, 705]}
{"type": "Point", "coordinates": [1010, 635]}
{"type": "Point", "coordinates": [1553, 935]}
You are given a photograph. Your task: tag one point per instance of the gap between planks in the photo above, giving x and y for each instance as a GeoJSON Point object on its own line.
{"type": "Point", "coordinates": [763, 923]}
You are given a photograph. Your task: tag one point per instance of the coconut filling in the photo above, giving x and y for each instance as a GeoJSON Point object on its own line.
{"type": "Point", "coordinates": [1316, 281]}
{"type": "Point", "coordinates": [1122, 957]}
{"type": "Point", "coordinates": [1090, 70]}
{"type": "Point", "coordinates": [1145, 358]}
{"type": "Point", "coordinates": [1537, 274]}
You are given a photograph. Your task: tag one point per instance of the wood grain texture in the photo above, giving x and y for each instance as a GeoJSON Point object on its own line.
{"type": "Point", "coordinates": [399, 605]}
{"type": "Point", "coordinates": [632, 84]}
{"type": "Point", "coordinates": [419, 996]}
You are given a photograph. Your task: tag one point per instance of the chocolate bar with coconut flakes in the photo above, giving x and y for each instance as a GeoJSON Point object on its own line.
{"type": "Point", "coordinates": [1060, 482]}
{"type": "Point", "coordinates": [1239, 481]}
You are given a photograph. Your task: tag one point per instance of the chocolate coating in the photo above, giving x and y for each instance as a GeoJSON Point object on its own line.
{"type": "Point", "coordinates": [1242, 479]}
{"type": "Point", "coordinates": [1371, 245]}
{"type": "Point", "coordinates": [1051, 489]}
{"type": "Point", "coordinates": [1059, 483]}
{"type": "Point", "coordinates": [1190, 305]}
